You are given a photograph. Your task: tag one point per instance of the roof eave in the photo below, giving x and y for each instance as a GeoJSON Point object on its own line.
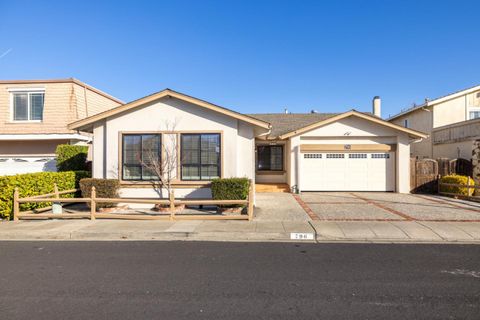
{"type": "Point", "coordinates": [413, 133]}
{"type": "Point", "coordinates": [77, 125]}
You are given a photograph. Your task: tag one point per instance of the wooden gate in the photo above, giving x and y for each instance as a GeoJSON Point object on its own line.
{"type": "Point", "coordinates": [423, 175]}
{"type": "Point", "coordinates": [461, 166]}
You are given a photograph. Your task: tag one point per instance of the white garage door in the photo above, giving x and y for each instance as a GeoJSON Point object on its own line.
{"type": "Point", "coordinates": [17, 165]}
{"type": "Point", "coordinates": [348, 171]}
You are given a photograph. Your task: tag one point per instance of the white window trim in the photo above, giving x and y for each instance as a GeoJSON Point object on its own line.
{"type": "Point", "coordinates": [473, 109]}
{"type": "Point", "coordinates": [28, 91]}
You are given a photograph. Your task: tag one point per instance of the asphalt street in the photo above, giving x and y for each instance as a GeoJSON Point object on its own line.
{"type": "Point", "coordinates": [205, 280]}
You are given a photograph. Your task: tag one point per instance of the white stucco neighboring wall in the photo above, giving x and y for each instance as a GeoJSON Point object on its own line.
{"type": "Point", "coordinates": [237, 141]}
{"type": "Point", "coordinates": [354, 130]}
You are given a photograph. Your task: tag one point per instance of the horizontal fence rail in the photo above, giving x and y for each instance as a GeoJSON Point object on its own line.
{"type": "Point", "coordinates": [93, 201]}
{"type": "Point", "coordinates": [457, 185]}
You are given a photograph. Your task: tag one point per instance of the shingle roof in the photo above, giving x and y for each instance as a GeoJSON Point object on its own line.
{"type": "Point", "coordinates": [283, 123]}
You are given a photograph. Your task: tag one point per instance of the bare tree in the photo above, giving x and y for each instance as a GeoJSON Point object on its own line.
{"type": "Point", "coordinates": [162, 164]}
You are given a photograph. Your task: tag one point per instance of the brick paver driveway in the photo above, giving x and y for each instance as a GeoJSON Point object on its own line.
{"type": "Point", "coordinates": [383, 206]}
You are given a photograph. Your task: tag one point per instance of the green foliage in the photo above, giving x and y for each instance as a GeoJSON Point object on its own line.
{"type": "Point", "coordinates": [32, 184]}
{"type": "Point", "coordinates": [71, 158]}
{"type": "Point", "coordinates": [230, 189]}
{"type": "Point", "coordinates": [456, 179]}
{"type": "Point", "coordinates": [104, 188]}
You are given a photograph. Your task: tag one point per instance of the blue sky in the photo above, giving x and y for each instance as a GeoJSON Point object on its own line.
{"type": "Point", "coordinates": [258, 56]}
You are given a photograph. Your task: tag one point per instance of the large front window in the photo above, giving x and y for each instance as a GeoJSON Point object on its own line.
{"type": "Point", "coordinates": [200, 156]}
{"type": "Point", "coordinates": [28, 106]}
{"type": "Point", "coordinates": [269, 158]}
{"type": "Point", "coordinates": [139, 151]}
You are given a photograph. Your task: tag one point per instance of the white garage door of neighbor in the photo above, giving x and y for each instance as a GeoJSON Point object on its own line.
{"type": "Point", "coordinates": [347, 171]}
{"type": "Point", "coordinates": [12, 166]}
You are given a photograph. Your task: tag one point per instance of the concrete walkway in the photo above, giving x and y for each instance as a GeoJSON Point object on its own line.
{"type": "Point", "coordinates": [320, 231]}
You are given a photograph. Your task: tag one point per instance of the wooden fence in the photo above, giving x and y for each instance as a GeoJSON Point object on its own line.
{"type": "Point", "coordinates": [94, 214]}
{"type": "Point", "coordinates": [475, 187]}
{"type": "Point", "coordinates": [425, 173]}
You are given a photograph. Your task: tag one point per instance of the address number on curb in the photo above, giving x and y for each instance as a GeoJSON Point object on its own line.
{"type": "Point", "coordinates": [301, 236]}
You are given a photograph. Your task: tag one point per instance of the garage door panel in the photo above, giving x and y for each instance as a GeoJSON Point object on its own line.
{"type": "Point", "coordinates": [348, 172]}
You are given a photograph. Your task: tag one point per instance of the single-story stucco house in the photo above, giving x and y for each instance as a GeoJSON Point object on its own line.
{"type": "Point", "coordinates": [351, 151]}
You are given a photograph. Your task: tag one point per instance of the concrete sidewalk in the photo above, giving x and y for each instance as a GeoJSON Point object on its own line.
{"type": "Point", "coordinates": [322, 231]}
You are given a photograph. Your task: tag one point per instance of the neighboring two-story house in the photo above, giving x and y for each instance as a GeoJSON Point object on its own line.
{"type": "Point", "coordinates": [34, 115]}
{"type": "Point", "coordinates": [452, 123]}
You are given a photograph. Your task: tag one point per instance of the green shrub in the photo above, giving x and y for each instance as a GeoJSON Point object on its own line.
{"type": "Point", "coordinates": [71, 158]}
{"type": "Point", "coordinates": [456, 179]}
{"type": "Point", "coordinates": [104, 188]}
{"type": "Point", "coordinates": [230, 189]}
{"type": "Point", "coordinates": [32, 184]}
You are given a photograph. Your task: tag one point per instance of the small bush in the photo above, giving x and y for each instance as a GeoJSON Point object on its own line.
{"type": "Point", "coordinates": [71, 158]}
{"type": "Point", "coordinates": [105, 188]}
{"type": "Point", "coordinates": [33, 184]}
{"type": "Point", "coordinates": [456, 179]}
{"type": "Point", "coordinates": [230, 189]}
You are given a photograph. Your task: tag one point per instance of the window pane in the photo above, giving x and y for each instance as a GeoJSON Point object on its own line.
{"type": "Point", "coordinates": [209, 172]}
{"type": "Point", "coordinates": [474, 114]}
{"type": "Point", "coordinates": [132, 149]}
{"type": "Point", "coordinates": [263, 158]}
{"type": "Point", "coordinates": [190, 172]}
{"type": "Point", "coordinates": [150, 148]}
{"type": "Point", "coordinates": [20, 106]}
{"type": "Point", "coordinates": [132, 172]}
{"type": "Point", "coordinates": [36, 105]}
{"type": "Point", "coordinates": [148, 174]}
{"type": "Point", "coordinates": [276, 160]}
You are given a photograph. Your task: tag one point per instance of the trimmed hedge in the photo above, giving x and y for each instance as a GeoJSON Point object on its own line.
{"type": "Point", "coordinates": [71, 158]}
{"type": "Point", "coordinates": [104, 188]}
{"type": "Point", "coordinates": [32, 184]}
{"type": "Point", "coordinates": [457, 179]}
{"type": "Point", "coordinates": [230, 189]}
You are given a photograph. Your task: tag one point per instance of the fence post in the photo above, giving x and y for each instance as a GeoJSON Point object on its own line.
{"type": "Point", "coordinates": [250, 201]}
{"type": "Point", "coordinates": [172, 204]}
{"type": "Point", "coordinates": [16, 205]}
{"type": "Point", "coordinates": [93, 204]}
{"type": "Point", "coordinates": [438, 183]}
{"type": "Point", "coordinates": [468, 186]}
{"type": "Point", "coordinates": [55, 190]}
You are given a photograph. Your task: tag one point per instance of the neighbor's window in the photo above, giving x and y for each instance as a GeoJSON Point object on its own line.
{"type": "Point", "coordinates": [200, 156]}
{"type": "Point", "coordinates": [138, 149]}
{"type": "Point", "coordinates": [474, 114]}
{"type": "Point", "coordinates": [270, 158]}
{"type": "Point", "coordinates": [405, 123]}
{"type": "Point", "coordinates": [28, 106]}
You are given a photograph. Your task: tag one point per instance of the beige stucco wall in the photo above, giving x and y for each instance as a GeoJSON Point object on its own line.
{"type": "Point", "coordinates": [420, 120]}
{"type": "Point", "coordinates": [237, 140]}
{"type": "Point", "coordinates": [353, 130]}
{"type": "Point", "coordinates": [29, 147]}
{"type": "Point", "coordinates": [446, 111]}
{"type": "Point", "coordinates": [453, 150]}
{"type": "Point", "coordinates": [450, 111]}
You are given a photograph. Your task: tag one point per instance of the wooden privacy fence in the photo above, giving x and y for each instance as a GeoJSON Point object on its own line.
{"type": "Point", "coordinates": [425, 173]}
{"type": "Point", "coordinates": [93, 200]}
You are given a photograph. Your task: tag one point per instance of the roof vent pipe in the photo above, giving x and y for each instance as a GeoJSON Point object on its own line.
{"type": "Point", "coordinates": [377, 106]}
